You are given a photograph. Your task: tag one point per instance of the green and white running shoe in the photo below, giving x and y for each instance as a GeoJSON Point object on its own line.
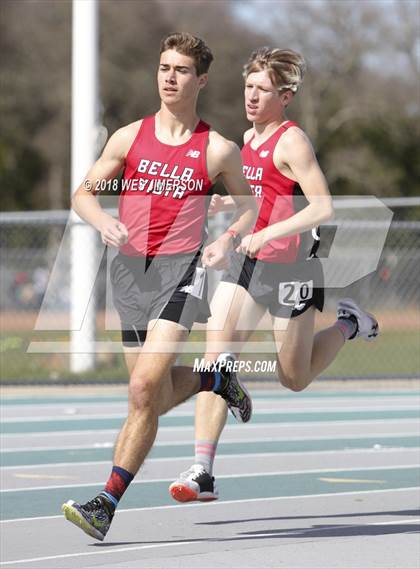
{"type": "Point", "coordinates": [94, 517]}
{"type": "Point", "coordinates": [233, 392]}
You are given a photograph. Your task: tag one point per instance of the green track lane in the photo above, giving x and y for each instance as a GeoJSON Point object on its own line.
{"type": "Point", "coordinates": [34, 503]}
{"type": "Point", "coordinates": [274, 394]}
{"type": "Point", "coordinates": [46, 426]}
{"type": "Point", "coordinates": [20, 458]}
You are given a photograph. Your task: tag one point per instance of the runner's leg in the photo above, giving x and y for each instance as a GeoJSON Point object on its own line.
{"type": "Point", "coordinates": [301, 355]}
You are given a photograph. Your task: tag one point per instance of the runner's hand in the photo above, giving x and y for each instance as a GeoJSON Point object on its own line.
{"type": "Point", "coordinates": [216, 204]}
{"type": "Point", "coordinates": [251, 244]}
{"type": "Point", "coordinates": [113, 232]}
{"type": "Point", "coordinates": [216, 255]}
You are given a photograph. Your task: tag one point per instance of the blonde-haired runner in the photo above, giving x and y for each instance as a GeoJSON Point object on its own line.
{"type": "Point", "coordinates": [275, 268]}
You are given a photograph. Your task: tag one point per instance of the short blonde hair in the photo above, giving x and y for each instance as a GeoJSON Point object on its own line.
{"type": "Point", "coordinates": [285, 67]}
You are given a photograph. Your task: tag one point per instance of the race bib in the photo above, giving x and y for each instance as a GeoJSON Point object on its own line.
{"type": "Point", "coordinates": [296, 293]}
{"type": "Point", "coordinates": [196, 288]}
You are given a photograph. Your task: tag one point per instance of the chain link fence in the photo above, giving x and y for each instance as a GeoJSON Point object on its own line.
{"type": "Point", "coordinates": [30, 242]}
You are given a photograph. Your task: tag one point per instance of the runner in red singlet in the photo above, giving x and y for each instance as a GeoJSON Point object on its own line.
{"type": "Point", "coordinates": [275, 267]}
{"type": "Point", "coordinates": [170, 161]}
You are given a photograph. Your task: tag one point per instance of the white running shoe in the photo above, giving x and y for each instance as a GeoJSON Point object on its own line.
{"type": "Point", "coordinates": [195, 484]}
{"type": "Point", "coordinates": [367, 325]}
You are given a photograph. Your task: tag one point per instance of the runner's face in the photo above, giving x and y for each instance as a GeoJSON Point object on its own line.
{"type": "Point", "coordinates": [177, 78]}
{"type": "Point", "coordinates": [263, 102]}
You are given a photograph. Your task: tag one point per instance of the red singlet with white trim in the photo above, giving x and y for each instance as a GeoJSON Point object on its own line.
{"type": "Point", "coordinates": [276, 194]}
{"type": "Point", "coordinates": [163, 187]}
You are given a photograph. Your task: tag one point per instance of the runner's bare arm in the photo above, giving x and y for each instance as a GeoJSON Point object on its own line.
{"type": "Point", "coordinates": [227, 156]}
{"type": "Point", "coordinates": [237, 186]}
{"type": "Point", "coordinates": [84, 200]}
{"type": "Point", "coordinates": [220, 203]}
{"type": "Point", "coordinates": [226, 203]}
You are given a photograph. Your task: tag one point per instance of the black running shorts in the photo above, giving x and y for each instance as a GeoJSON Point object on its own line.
{"type": "Point", "coordinates": [166, 287]}
{"type": "Point", "coordinates": [286, 289]}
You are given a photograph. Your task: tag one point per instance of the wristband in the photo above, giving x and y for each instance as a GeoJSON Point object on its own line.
{"type": "Point", "coordinates": [236, 238]}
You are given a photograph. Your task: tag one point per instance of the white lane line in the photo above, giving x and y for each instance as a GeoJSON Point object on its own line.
{"type": "Point", "coordinates": [242, 475]}
{"type": "Point", "coordinates": [260, 397]}
{"type": "Point", "coordinates": [410, 521]}
{"type": "Point", "coordinates": [230, 436]}
{"type": "Point", "coordinates": [62, 433]}
{"type": "Point", "coordinates": [344, 451]}
{"type": "Point", "coordinates": [259, 404]}
{"type": "Point", "coordinates": [241, 537]}
{"type": "Point", "coordinates": [66, 403]}
{"type": "Point", "coordinates": [60, 464]}
{"type": "Point", "coordinates": [191, 413]}
{"type": "Point", "coordinates": [228, 502]}
{"type": "Point", "coordinates": [170, 443]}
{"type": "Point", "coordinates": [93, 446]}
{"type": "Point", "coordinates": [69, 418]}
{"type": "Point", "coordinates": [362, 422]}
{"type": "Point", "coordinates": [221, 456]}
{"type": "Point", "coordinates": [90, 553]}
{"type": "Point", "coordinates": [276, 392]}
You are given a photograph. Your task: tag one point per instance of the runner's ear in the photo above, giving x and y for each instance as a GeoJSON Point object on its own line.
{"type": "Point", "coordinates": [202, 80]}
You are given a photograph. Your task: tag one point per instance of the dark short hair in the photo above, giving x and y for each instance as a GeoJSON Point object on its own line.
{"type": "Point", "coordinates": [189, 45]}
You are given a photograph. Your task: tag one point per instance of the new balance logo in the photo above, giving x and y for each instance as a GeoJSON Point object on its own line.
{"type": "Point", "coordinates": [193, 153]}
{"type": "Point", "coordinates": [264, 153]}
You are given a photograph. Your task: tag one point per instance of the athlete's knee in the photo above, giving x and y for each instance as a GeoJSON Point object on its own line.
{"type": "Point", "coordinates": [143, 390]}
{"type": "Point", "coordinates": [293, 385]}
{"type": "Point", "coordinates": [295, 380]}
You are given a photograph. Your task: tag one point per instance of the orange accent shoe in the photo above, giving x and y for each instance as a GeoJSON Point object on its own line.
{"type": "Point", "coordinates": [194, 485]}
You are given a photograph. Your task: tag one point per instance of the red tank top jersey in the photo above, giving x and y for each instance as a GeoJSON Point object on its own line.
{"type": "Point", "coordinates": [276, 196]}
{"type": "Point", "coordinates": [162, 199]}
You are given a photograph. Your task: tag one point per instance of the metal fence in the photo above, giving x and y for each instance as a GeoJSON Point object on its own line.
{"type": "Point", "coordinates": [29, 246]}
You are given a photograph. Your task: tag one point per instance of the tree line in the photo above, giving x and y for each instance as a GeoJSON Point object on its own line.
{"type": "Point", "coordinates": [359, 103]}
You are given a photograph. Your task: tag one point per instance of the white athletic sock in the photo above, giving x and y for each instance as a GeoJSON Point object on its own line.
{"type": "Point", "coordinates": [205, 451]}
{"type": "Point", "coordinates": [347, 326]}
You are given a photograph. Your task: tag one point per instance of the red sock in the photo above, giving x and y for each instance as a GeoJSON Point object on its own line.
{"type": "Point", "coordinates": [117, 484]}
